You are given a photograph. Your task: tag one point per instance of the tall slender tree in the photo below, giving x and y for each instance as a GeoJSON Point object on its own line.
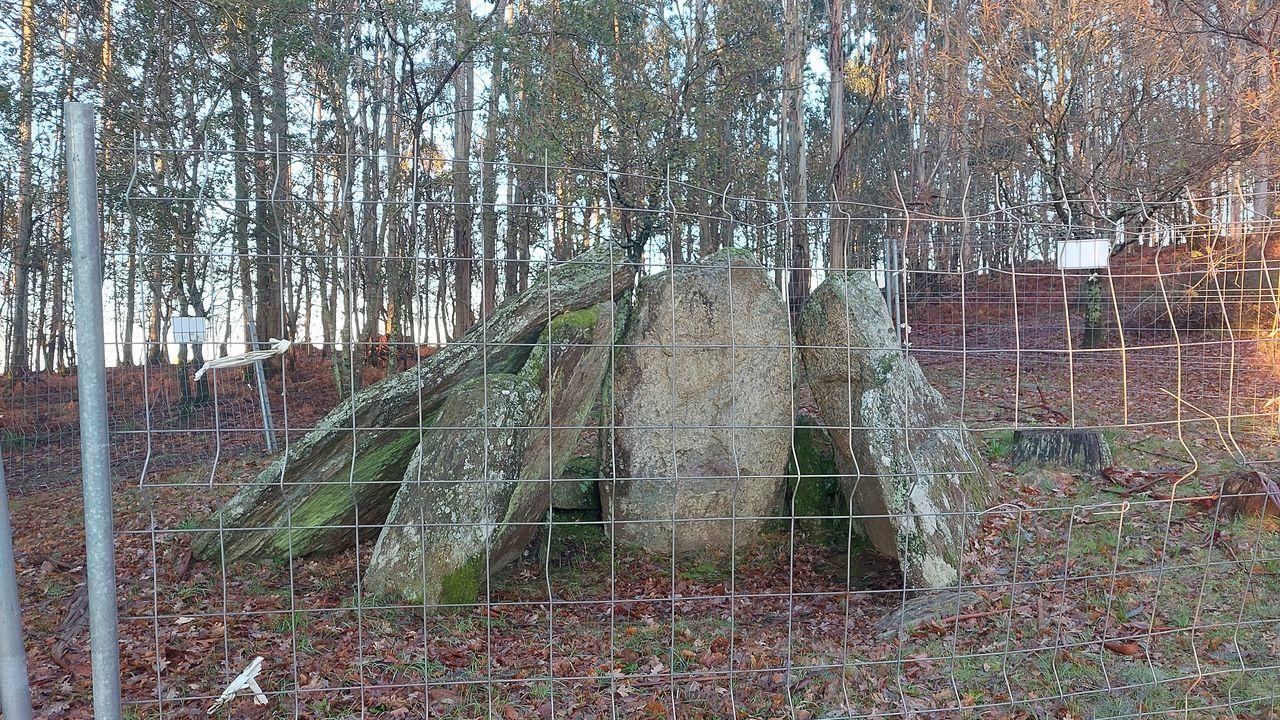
{"type": "Point", "coordinates": [463, 113]}
{"type": "Point", "coordinates": [19, 349]}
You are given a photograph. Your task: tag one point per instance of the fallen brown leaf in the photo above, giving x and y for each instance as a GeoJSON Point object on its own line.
{"type": "Point", "coordinates": [1122, 648]}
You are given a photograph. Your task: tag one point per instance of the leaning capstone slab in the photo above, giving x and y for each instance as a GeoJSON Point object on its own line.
{"type": "Point", "coordinates": [703, 378]}
{"type": "Point", "coordinates": [335, 485]}
{"type": "Point", "coordinates": [910, 468]}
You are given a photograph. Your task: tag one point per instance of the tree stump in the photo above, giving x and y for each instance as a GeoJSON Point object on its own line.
{"type": "Point", "coordinates": [1249, 493]}
{"type": "Point", "coordinates": [1072, 448]}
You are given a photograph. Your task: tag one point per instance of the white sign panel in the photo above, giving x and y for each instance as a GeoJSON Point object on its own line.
{"type": "Point", "coordinates": [1084, 254]}
{"type": "Point", "coordinates": [189, 330]}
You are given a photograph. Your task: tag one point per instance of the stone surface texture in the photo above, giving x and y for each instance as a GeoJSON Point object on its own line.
{"type": "Point", "coordinates": [702, 405]}
{"type": "Point", "coordinates": [910, 468]}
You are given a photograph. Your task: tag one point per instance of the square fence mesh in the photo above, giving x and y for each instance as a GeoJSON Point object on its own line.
{"type": "Point", "coordinates": [674, 464]}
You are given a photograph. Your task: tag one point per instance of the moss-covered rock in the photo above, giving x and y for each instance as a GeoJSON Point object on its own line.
{"type": "Point", "coordinates": [912, 472]}
{"type": "Point", "coordinates": [815, 496]}
{"type": "Point", "coordinates": [576, 489]}
{"type": "Point", "coordinates": [463, 586]}
{"type": "Point", "coordinates": [337, 503]}
{"type": "Point", "coordinates": [346, 501]}
{"type": "Point", "coordinates": [570, 364]}
{"type": "Point", "coordinates": [457, 490]}
{"type": "Point", "coordinates": [572, 538]}
{"type": "Point", "coordinates": [363, 445]}
{"type": "Point", "coordinates": [479, 487]}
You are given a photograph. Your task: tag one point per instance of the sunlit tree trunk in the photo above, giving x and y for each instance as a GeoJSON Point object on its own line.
{"type": "Point", "coordinates": [489, 184]}
{"type": "Point", "coordinates": [124, 352]}
{"type": "Point", "coordinates": [266, 229]}
{"type": "Point", "coordinates": [464, 95]}
{"type": "Point", "coordinates": [510, 239]}
{"type": "Point", "coordinates": [131, 296]}
{"type": "Point", "coordinates": [794, 152]}
{"type": "Point", "coordinates": [242, 183]}
{"type": "Point", "coordinates": [837, 248]}
{"type": "Point", "coordinates": [281, 190]}
{"type": "Point", "coordinates": [1263, 203]}
{"type": "Point", "coordinates": [19, 360]}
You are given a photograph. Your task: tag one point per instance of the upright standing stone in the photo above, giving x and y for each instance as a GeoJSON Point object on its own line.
{"type": "Point", "coordinates": [453, 508]}
{"type": "Point", "coordinates": [906, 463]}
{"type": "Point", "coordinates": [479, 486]}
{"type": "Point", "coordinates": [703, 382]}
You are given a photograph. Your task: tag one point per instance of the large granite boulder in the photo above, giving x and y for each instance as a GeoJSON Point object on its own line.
{"type": "Point", "coordinates": [703, 380]}
{"type": "Point", "coordinates": [907, 464]}
{"type": "Point", "coordinates": [479, 486]}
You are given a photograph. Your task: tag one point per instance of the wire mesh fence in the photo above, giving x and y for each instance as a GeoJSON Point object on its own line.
{"type": "Point", "coordinates": [672, 461]}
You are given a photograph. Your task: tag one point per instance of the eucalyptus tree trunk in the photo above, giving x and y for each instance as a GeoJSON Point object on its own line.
{"type": "Point", "coordinates": [489, 183]}
{"type": "Point", "coordinates": [370, 256]}
{"type": "Point", "coordinates": [242, 181]}
{"type": "Point", "coordinates": [510, 238]}
{"type": "Point", "coordinates": [266, 245]}
{"type": "Point", "coordinates": [838, 227]}
{"type": "Point", "coordinates": [464, 96]}
{"type": "Point", "coordinates": [281, 191]}
{"type": "Point", "coordinates": [131, 297]}
{"type": "Point", "coordinates": [19, 360]}
{"type": "Point", "coordinates": [794, 152]}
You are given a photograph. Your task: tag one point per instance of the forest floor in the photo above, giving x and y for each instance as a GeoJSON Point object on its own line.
{"type": "Point", "coordinates": [1120, 596]}
{"type": "Point", "coordinates": [1130, 594]}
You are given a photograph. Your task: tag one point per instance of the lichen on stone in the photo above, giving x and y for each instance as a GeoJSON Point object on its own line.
{"type": "Point", "coordinates": [910, 466]}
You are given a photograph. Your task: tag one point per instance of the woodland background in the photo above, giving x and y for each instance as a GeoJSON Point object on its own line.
{"type": "Point", "coordinates": [371, 179]}
{"type": "Point", "coordinates": [341, 172]}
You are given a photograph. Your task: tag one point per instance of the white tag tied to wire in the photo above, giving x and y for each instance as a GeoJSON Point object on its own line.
{"type": "Point", "coordinates": [246, 680]}
{"type": "Point", "coordinates": [274, 347]}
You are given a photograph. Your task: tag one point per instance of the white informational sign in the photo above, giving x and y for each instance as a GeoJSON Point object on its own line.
{"type": "Point", "coordinates": [189, 330]}
{"type": "Point", "coordinates": [1084, 254]}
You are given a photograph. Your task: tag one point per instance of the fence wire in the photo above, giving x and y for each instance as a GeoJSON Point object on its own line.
{"type": "Point", "coordinates": [439, 534]}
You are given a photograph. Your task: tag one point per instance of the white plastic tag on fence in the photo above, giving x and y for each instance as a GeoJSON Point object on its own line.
{"type": "Point", "coordinates": [276, 347]}
{"type": "Point", "coordinates": [246, 680]}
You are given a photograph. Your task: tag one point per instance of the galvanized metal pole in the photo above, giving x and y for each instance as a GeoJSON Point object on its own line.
{"type": "Point", "coordinates": [86, 266]}
{"type": "Point", "coordinates": [268, 430]}
{"type": "Point", "coordinates": [15, 693]}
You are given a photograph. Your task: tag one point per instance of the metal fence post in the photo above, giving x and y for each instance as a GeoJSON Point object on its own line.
{"type": "Point", "coordinates": [268, 430]}
{"type": "Point", "coordinates": [15, 693]}
{"type": "Point", "coordinates": [264, 405]}
{"type": "Point", "coordinates": [86, 262]}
